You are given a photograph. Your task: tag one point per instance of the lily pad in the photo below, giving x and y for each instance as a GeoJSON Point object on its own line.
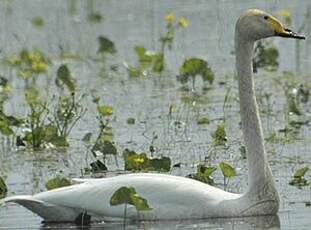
{"type": "Point", "coordinates": [57, 182]}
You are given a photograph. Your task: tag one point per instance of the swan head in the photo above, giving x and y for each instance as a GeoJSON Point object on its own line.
{"type": "Point", "coordinates": [256, 24]}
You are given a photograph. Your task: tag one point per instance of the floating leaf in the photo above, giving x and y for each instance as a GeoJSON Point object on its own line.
{"type": "Point", "coordinates": [227, 170]}
{"type": "Point", "coordinates": [203, 121]}
{"type": "Point", "coordinates": [266, 56]}
{"type": "Point", "coordinates": [105, 147]}
{"type": "Point", "coordinates": [64, 77]}
{"type": "Point", "coordinates": [130, 121]}
{"type": "Point", "coordinates": [38, 22]}
{"type": "Point", "coordinates": [140, 162]}
{"type": "Point", "coordinates": [106, 45]}
{"type": "Point", "coordinates": [95, 17]}
{"type": "Point", "coordinates": [299, 177]}
{"type": "Point", "coordinates": [160, 164]}
{"type": "Point", "coordinates": [98, 166]}
{"type": "Point", "coordinates": [87, 138]}
{"type": "Point", "coordinates": [196, 66]}
{"type": "Point", "coordinates": [57, 182]}
{"type": "Point", "coordinates": [3, 188]}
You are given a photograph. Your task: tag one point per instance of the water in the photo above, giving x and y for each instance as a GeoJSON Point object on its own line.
{"type": "Point", "coordinates": [129, 23]}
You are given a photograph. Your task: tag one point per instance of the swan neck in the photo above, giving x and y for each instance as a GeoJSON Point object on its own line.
{"type": "Point", "coordinates": [259, 172]}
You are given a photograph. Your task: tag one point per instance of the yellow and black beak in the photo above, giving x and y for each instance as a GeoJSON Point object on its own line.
{"type": "Point", "coordinates": [287, 33]}
{"type": "Point", "coordinates": [281, 31]}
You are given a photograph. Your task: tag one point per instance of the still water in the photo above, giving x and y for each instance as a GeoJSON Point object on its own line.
{"type": "Point", "coordinates": [140, 22]}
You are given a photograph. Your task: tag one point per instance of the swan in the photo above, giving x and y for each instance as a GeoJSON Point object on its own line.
{"type": "Point", "coordinates": [173, 197]}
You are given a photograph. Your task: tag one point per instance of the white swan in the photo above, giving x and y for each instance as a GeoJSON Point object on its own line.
{"type": "Point", "coordinates": [173, 197]}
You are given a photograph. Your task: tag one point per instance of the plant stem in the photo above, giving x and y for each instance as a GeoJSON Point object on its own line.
{"type": "Point", "coordinates": [124, 215]}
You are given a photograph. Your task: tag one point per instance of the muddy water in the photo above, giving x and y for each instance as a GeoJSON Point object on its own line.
{"type": "Point", "coordinates": [129, 23]}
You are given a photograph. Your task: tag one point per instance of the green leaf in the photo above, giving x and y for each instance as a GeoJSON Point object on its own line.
{"type": "Point", "coordinates": [301, 172]}
{"type": "Point", "coordinates": [3, 188]}
{"type": "Point", "coordinates": [140, 162]}
{"type": "Point", "coordinates": [32, 96]}
{"type": "Point", "coordinates": [57, 182]}
{"type": "Point", "coordinates": [204, 174]}
{"type": "Point", "coordinates": [141, 204]}
{"type": "Point", "coordinates": [38, 22]}
{"type": "Point", "coordinates": [227, 170]}
{"type": "Point", "coordinates": [160, 164]}
{"type": "Point", "coordinates": [220, 136]}
{"type": "Point", "coordinates": [105, 147]}
{"type": "Point", "coordinates": [106, 45]}
{"type": "Point", "coordinates": [196, 66]}
{"type": "Point", "coordinates": [95, 17]}
{"type": "Point", "coordinates": [5, 129]}
{"type": "Point", "coordinates": [203, 121]}
{"type": "Point", "coordinates": [130, 121]}
{"type": "Point", "coordinates": [128, 195]}
{"type": "Point", "coordinates": [64, 77]}
{"type": "Point", "coordinates": [87, 138]}
{"type": "Point", "coordinates": [122, 196]}
{"type": "Point", "coordinates": [105, 110]}
{"type": "Point", "coordinates": [98, 166]}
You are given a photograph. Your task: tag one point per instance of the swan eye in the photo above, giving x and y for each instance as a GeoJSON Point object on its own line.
{"type": "Point", "coordinates": [266, 17]}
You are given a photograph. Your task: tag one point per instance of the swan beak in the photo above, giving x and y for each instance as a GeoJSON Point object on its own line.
{"type": "Point", "coordinates": [287, 33]}
{"type": "Point", "coordinates": [283, 32]}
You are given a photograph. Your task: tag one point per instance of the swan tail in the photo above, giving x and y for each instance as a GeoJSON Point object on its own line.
{"type": "Point", "coordinates": [49, 212]}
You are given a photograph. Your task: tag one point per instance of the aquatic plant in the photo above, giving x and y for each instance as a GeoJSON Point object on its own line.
{"type": "Point", "coordinates": [154, 61]}
{"type": "Point", "coordinates": [204, 174]}
{"type": "Point", "coordinates": [103, 144]}
{"type": "Point", "coordinates": [57, 182]}
{"type": "Point", "coordinates": [69, 109]}
{"type": "Point", "coordinates": [299, 177]}
{"type": "Point", "coordinates": [228, 171]}
{"type": "Point", "coordinates": [148, 62]}
{"type": "Point", "coordinates": [220, 136]}
{"type": "Point", "coordinates": [140, 162]}
{"type": "Point", "coordinates": [29, 64]}
{"type": "Point", "coordinates": [106, 46]}
{"type": "Point", "coordinates": [129, 196]}
{"type": "Point", "coordinates": [130, 121]}
{"type": "Point", "coordinates": [203, 121]}
{"type": "Point", "coordinates": [52, 126]}
{"type": "Point", "coordinates": [265, 56]}
{"type": "Point", "coordinates": [3, 188]}
{"type": "Point", "coordinates": [37, 22]}
{"type": "Point", "coordinates": [193, 67]}
{"type": "Point", "coordinates": [7, 122]}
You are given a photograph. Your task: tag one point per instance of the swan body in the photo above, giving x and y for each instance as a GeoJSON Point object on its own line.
{"type": "Point", "coordinates": [172, 197]}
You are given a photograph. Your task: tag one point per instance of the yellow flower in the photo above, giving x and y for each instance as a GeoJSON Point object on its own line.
{"type": "Point", "coordinates": [39, 67]}
{"type": "Point", "coordinates": [170, 18]}
{"type": "Point", "coordinates": [34, 56]}
{"type": "Point", "coordinates": [285, 13]}
{"type": "Point", "coordinates": [183, 22]}
{"type": "Point", "coordinates": [139, 160]}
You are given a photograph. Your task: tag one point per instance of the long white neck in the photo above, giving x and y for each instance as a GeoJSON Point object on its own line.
{"type": "Point", "coordinates": [259, 172]}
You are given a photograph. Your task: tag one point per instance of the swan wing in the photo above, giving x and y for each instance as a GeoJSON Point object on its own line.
{"type": "Point", "coordinates": [170, 197]}
{"type": "Point", "coordinates": [47, 211]}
